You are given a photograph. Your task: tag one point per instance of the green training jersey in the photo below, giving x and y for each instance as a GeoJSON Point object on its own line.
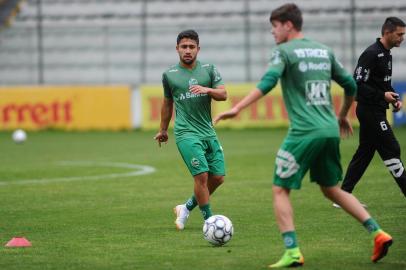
{"type": "Point", "coordinates": [306, 69]}
{"type": "Point", "coordinates": [192, 111]}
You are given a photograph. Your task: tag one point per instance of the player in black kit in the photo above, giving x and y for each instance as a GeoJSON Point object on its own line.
{"type": "Point", "coordinates": [373, 75]}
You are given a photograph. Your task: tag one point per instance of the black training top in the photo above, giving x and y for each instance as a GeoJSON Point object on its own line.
{"type": "Point", "coordinates": [373, 75]}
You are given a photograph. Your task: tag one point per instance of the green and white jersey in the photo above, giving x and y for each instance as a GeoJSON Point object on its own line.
{"type": "Point", "coordinates": [306, 69]}
{"type": "Point", "coordinates": [192, 111]}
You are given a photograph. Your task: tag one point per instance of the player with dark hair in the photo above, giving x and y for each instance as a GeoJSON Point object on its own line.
{"type": "Point", "coordinates": [306, 69]}
{"type": "Point", "coordinates": [373, 75]}
{"type": "Point", "coordinates": [192, 85]}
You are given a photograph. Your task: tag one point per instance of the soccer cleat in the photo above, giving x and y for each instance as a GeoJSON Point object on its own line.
{"type": "Point", "coordinates": [182, 214]}
{"type": "Point", "coordinates": [291, 258]}
{"type": "Point", "coordinates": [338, 206]}
{"type": "Point", "coordinates": [382, 242]}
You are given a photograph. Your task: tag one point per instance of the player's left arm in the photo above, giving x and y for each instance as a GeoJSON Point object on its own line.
{"type": "Point", "coordinates": [219, 93]}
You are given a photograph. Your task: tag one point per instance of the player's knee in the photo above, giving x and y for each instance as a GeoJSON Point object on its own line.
{"type": "Point", "coordinates": [329, 192]}
{"type": "Point", "coordinates": [218, 179]}
{"type": "Point", "coordinates": [279, 191]}
{"type": "Point", "coordinates": [201, 179]}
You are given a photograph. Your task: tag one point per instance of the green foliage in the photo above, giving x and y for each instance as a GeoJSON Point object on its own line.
{"type": "Point", "coordinates": [127, 222]}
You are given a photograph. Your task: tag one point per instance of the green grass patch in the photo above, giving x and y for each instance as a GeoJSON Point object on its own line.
{"type": "Point", "coordinates": [127, 222]}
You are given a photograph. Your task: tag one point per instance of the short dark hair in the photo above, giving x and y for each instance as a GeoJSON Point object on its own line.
{"type": "Point", "coordinates": [288, 12]}
{"type": "Point", "coordinates": [191, 34]}
{"type": "Point", "coordinates": [391, 23]}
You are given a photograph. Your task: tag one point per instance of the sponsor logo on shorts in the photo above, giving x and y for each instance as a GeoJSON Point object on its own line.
{"type": "Point", "coordinates": [195, 162]}
{"type": "Point", "coordinates": [395, 166]}
{"type": "Point", "coordinates": [286, 165]}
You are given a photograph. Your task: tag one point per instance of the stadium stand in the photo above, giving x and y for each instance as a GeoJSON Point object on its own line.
{"type": "Point", "coordinates": [133, 41]}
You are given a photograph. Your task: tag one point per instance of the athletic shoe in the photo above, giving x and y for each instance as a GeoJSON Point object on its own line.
{"type": "Point", "coordinates": [338, 206]}
{"type": "Point", "coordinates": [182, 214]}
{"type": "Point", "coordinates": [291, 258]}
{"type": "Point", "coordinates": [382, 242]}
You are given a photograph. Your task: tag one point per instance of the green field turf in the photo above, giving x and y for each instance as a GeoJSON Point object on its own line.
{"type": "Point", "coordinates": [77, 221]}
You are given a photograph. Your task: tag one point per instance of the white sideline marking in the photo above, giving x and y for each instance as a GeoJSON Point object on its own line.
{"type": "Point", "coordinates": [139, 170]}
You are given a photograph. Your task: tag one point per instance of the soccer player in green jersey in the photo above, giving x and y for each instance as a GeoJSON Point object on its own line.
{"type": "Point", "coordinates": [306, 68]}
{"type": "Point", "coordinates": [191, 86]}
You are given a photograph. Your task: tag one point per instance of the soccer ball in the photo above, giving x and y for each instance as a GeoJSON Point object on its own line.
{"type": "Point", "coordinates": [218, 230]}
{"type": "Point", "coordinates": [19, 136]}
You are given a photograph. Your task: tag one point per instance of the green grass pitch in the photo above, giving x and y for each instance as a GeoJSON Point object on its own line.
{"type": "Point", "coordinates": [91, 216]}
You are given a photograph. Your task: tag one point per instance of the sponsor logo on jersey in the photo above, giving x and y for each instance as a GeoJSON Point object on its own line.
{"type": "Point", "coordinates": [317, 92]}
{"type": "Point", "coordinates": [390, 65]}
{"type": "Point", "coordinates": [311, 53]}
{"type": "Point", "coordinates": [276, 58]}
{"type": "Point", "coordinates": [380, 55]}
{"type": "Point", "coordinates": [217, 76]}
{"type": "Point", "coordinates": [303, 66]}
{"type": "Point", "coordinates": [387, 78]}
{"type": "Point", "coordinates": [286, 164]}
{"type": "Point", "coordinates": [193, 81]}
{"type": "Point", "coordinates": [358, 73]}
{"type": "Point", "coordinates": [361, 74]}
{"type": "Point", "coordinates": [188, 95]}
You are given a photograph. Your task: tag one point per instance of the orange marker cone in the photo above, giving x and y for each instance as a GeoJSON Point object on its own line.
{"type": "Point", "coordinates": [18, 242]}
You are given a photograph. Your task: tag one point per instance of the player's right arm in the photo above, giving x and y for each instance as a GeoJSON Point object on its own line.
{"type": "Point", "coordinates": [343, 122]}
{"type": "Point", "coordinates": [253, 96]}
{"type": "Point", "coordinates": [166, 112]}
{"type": "Point", "coordinates": [346, 81]}
{"type": "Point", "coordinates": [267, 83]}
{"type": "Point", "coordinates": [166, 115]}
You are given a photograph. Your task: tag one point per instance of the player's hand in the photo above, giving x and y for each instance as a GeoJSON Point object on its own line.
{"type": "Point", "coordinates": [198, 89]}
{"type": "Point", "coordinates": [397, 106]}
{"type": "Point", "coordinates": [161, 137]}
{"type": "Point", "coordinates": [345, 127]}
{"type": "Point", "coordinates": [391, 97]}
{"type": "Point", "coordinates": [226, 115]}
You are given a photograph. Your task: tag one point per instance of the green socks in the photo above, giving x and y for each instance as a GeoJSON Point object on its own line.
{"type": "Point", "coordinates": [191, 203]}
{"type": "Point", "coordinates": [372, 227]}
{"type": "Point", "coordinates": [206, 211]}
{"type": "Point", "coordinates": [289, 239]}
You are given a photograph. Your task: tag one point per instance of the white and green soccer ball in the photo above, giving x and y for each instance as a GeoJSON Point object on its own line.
{"type": "Point", "coordinates": [218, 230]}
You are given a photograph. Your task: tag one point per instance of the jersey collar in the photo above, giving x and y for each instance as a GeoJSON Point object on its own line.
{"type": "Point", "coordinates": [183, 68]}
{"type": "Point", "coordinates": [378, 41]}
